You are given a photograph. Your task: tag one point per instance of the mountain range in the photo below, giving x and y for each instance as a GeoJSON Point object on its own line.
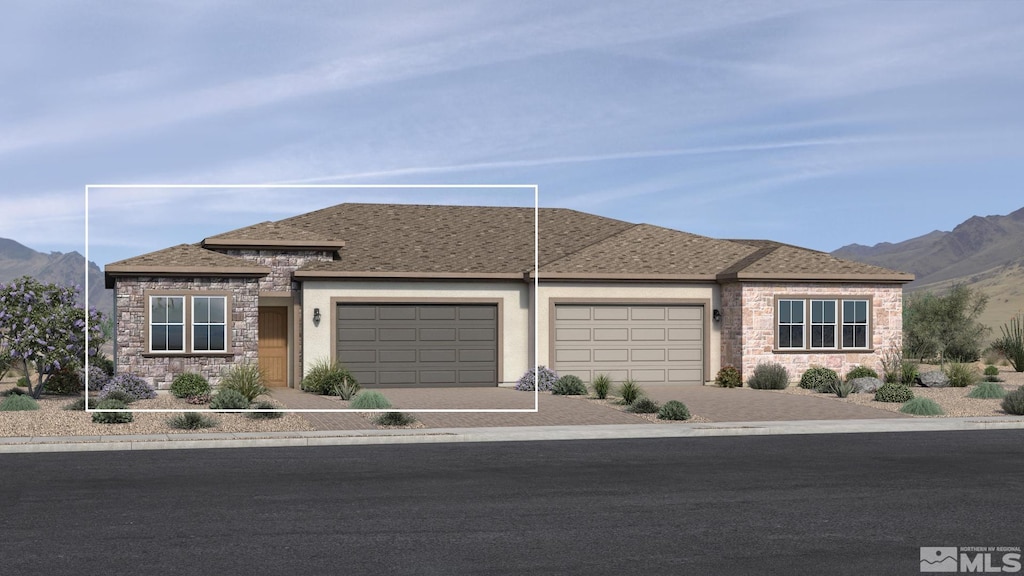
{"type": "Point", "coordinates": [983, 252]}
{"type": "Point", "coordinates": [68, 269]}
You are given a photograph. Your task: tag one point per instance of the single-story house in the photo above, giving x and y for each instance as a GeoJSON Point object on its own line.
{"type": "Point", "coordinates": [429, 295]}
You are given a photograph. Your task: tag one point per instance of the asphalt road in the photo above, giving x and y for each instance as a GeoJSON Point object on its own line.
{"type": "Point", "coordinates": [835, 504]}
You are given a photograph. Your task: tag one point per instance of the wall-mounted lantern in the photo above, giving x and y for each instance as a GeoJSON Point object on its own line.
{"type": "Point", "coordinates": [316, 316]}
{"type": "Point", "coordinates": [716, 315]}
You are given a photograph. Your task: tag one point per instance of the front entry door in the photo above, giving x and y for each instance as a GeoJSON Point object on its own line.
{"type": "Point", "coordinates": [273, 348]}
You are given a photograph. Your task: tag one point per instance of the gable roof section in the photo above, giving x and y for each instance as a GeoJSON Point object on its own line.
{"type": "Point", "coordinates": [274, 235]}
{"type": "Point", "coordinates": [183, 260]}
{"type": "Point", "coordinates": [774, 261]}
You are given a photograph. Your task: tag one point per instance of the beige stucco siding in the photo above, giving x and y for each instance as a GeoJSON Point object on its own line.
{"type": "Point", "coordinates": [707, 295]}
{"type": "Point", "coordinates": [512, 296]}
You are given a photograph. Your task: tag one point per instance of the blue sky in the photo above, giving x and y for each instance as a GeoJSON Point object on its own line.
{"type": "Point", "coordinates": [815, 123]}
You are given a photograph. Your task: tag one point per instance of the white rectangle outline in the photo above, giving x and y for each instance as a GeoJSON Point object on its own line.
{"type": "Point", "coordinates": [536, 294]}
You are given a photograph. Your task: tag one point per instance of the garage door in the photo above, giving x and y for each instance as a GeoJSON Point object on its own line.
{"type": "Point", "coordinates": [650, 344]}
{"type": "Point", "coordinates": [406, 345]}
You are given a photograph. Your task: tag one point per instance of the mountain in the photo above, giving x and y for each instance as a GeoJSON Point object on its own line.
{"type": "Point", "coordinates": [985, 252]}
{"type": "Point", "coordinates": [17, 260]}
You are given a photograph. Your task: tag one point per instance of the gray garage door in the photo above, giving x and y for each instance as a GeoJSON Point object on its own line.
{"type": "Point", "coordinates": [406, 345]}
{"type": "Point", "coordinates": [650, 344]}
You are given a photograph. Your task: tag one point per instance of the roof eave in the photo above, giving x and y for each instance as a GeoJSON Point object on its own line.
{"type": "Point", "coordinates": [404, 275]}
{"type": "Point", "coordinates": [623, 277]}
{"type": "Point", "coordinates": [110, 273]}
{"type": "Point", "coordinates": [893, 278]}
{"type": "Point", "coordinates": [248, 244]}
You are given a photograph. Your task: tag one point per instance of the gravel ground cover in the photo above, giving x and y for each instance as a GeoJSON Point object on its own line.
{"type": "Point", "coordinates": [954, 401]}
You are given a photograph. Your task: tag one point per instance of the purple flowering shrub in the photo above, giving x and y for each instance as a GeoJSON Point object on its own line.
{"type": "Point", "coordinates": [98, 377]}
{"type": "Point", "coordinates": [129, 384]}
{"type": "Point", "coordinates": [544, 380]}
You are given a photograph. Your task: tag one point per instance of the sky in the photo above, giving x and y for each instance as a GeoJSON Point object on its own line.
{"type": "Point", "coordinates": [816, 123]}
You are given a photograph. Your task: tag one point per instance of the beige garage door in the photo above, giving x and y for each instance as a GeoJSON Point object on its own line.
{"type": "Point", "coordinates": [650, 344]}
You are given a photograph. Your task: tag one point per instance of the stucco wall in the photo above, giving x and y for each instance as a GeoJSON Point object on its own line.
{"type": "Point", "coordinates": [627, 293]}
{"type": "Point", "coordinates": [130, 315]}
{"type": "Point", "coordinates": [513, 295]}
{"type": "Point", "coordinates": [758, 329]}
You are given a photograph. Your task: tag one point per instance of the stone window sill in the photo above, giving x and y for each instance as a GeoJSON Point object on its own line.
{"type": "Point", "coordinates": [188, 354]}
{"type": "Point", "coordinates": [823, 351]}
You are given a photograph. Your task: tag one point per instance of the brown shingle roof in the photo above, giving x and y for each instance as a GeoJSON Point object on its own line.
{"type": "Point", "coordinates": [273, 235]}
{"type": "Point", "coordinates": [790, 263]}
{"type": "Point", "coordinates": [182, 260]}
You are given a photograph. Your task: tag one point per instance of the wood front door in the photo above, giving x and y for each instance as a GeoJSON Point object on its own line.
{"type": "Point", "coordinates": [273, 349]}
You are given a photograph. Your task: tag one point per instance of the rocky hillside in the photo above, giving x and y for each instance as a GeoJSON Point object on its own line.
{"type": "Point", "coordinates": [66, 269]}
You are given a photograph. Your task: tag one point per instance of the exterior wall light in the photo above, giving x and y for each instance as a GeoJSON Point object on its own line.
{"type": "Point", "coordinates": [316, 316]}
{"type": "Point", "coordinates": [716, 315]}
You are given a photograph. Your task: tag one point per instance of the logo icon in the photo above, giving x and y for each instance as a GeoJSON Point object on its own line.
{"type": "Point", "coordinates": [938, 559]}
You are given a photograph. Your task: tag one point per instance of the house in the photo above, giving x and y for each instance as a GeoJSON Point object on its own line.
{"type": "Point", "coordinates": [414, 295]}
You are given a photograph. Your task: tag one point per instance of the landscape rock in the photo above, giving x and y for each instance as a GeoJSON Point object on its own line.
{"type": "Point", "coordinates": [866, 385]}
{"type": "Point", "coordinates": [932, 379]}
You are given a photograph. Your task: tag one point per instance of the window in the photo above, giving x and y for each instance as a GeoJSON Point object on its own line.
{"type": "Point", "coordinates": [804, 323]}
{"type": "Point", "coordinates": [791, 323]}
{"type": "Point", "coordinates": [188, 324]}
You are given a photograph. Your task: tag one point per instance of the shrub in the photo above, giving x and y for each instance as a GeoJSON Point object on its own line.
{"type": "Point", "coordinates": [922, 407]}
{"type": "Point", "coordinates": [98, 377]}
{"type": "Point", "coordinates": [1013, 402]}
{"type": "Point", "coordinates": [18, 403]}
{"type": "Point", "coordinates": [842, 388]}
{"type": "Point", "coordinates": [246, 379]}
{"type": "Point", "coordinates": [544, 380]}
{"type": "Point", "coordinates": [961, 375]}
{"type": "Point", "coordinates": [674, 410]}
{"type": "Point", "coordinates": [818, 378]}
{"type": "Point", "coordinates": [65, 381]}
{"type": "Point", "coordinates": [890, 392]}
{"type": "Point", "coordinates": [991, 370]}
{"type": "Point", "coordinates": [78, 404]}
{"type": "Point", "coordinates": [729, 377]}
{"type": "Point", "coordinates": [987, 390]}
{"type": "Point", "coordinates": [1011, 345]}
{"type": "Point", "coordinates": [908, 373]}
{"type": "Point", "coordinates": [229, 399]}
{"type": "Point", "coordinates": [132, 385]}
{"type": "Point", "coordinates": [394, 419]}
{"type": "Point", "coordinates": [119, 395]}
{"type": "Point", "coordinates": [630, 391]}
{"type": "Point", "coordinates": [191, 421]}
{"type": "Point", "coordinates": [23, 382]}
{"type": "Point", "coordinates": [644, 405]}
{"type": "Point", "coordinates": [370, 400]}
{"type": "Point", "coordinates": [14, 392]}
{"type": "Point", "coordinates": [861, 372]}
{"type": "Point", "coordinates": [103, 363]}
{"type": "Point", "coordinates": [111, 417]}
{"type": "Point", "coordinates": [892, 365]}
{"type": "Point", "coordinates": [569, 385]}
{"type": "Point", "coordinates": [267, 411]}
{"type": "Point", "coordinates": [330, 379]}
{"type": "Point", "coordinates": [770, 376]}
{"type": "Point", "coordinates": [992, 379]}
{"type": "Point", "coordinates": [602, 383]}
{"type": "Point", "coordinates": [189, 384]}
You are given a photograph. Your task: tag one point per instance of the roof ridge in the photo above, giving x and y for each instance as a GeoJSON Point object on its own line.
{"type": "Point", "coordinates": [749, 259]}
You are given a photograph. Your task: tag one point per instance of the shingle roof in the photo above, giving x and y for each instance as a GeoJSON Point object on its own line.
{"type": "Point", "coordinates": [389, 240]}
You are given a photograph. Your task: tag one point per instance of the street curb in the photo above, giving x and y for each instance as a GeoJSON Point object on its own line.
{"type": "Point", "coordinates": [496, 434]}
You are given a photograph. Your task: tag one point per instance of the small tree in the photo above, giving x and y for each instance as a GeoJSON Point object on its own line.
{"type": "Point", "coordinates": [42, 327]}
{"type": "Point", "coordinates": [946, 326]}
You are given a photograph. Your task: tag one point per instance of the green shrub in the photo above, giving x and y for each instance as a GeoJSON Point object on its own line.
{"type": "Point", "coordinates": [842, 388]}
{"type": "Point", "coordinates": [246, 379]}
{"type": "Point", "coordinates": [818, 378]}
{"type": "Point", "coordinates": [18, 403]}
{"type": "Point", "coordinates": [961, 375]}
{"type": "Point", "coordinates": [326, 378]}
{"type": "Point", "coordinates": [861, 372]}
{"type": "Point", "coordinates": [569, 385]}
{"type": "Point", "coordinates": [892, 365]}
{"type": "Point", "coordinates": [267, 411]}
{"type": "Point", "coordinates": [630, 391]}
{"type": "Point", "coordinates": [602, 383]}
{"type": "Point", "coordinates": [14, 392]}
{"type": "Point", "coordinates": [674, 410]}
{"type": "Point", "coordinates": [189, 384]}
{"type": "Point", "coordinates": [191, 421]}
{"type": "Point", "coordinates": [370, 400]}
{"type": "Point", "coordinates": [908, 372]}
{"type": "Point", "coordinates": [78, 404]}
{"type": "Point", "coordinates": [728, 377]}
{"type": "Point", "coordinates": [1013, 402]}
{"type": "Point", "coordinates": [922, 407]}
{"type": "Point", "coordinates": [991, 370]}
{"type": "Point", "coordinates": [394, 419]}
{"type": "Point", "coordinates": [890, 392]}
{"type": "Point", "coordinates": [64, 382]}
{"type": "Point", "coordinates": [770, 376]}
{"type": "Point", "coordinates": [119, 395]}
{"type": "Point", "coordinates": [987, 390]}
{"type": "Point", "coordinates": [111, 417]}
{"type": "Point", "coordinates": [992, 379]}
{"type": "Point", "coordinates": [644, 405]}
{"type": "Point", "coordinates": [229, 399]}
{"type": "Point", "coordinates": [23, 382]}
{"type": "Point", "coordinates": [104, 363]}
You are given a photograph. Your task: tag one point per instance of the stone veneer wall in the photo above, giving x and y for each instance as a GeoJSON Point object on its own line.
{"type": "Point", "coordinates": [282, 264]}
{"type": "Point", "coordinates": [160, 371]}
{"type": "Point", "coordinates": [752, 341]}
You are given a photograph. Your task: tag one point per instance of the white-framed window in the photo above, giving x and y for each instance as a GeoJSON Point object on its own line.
{"type": "Point", "coordinates": [209, 324]}
{"type": "Point", "coordinates": [167, 323]}
{"type": "Point", "coordinates": [822, 323]}
{"type": "Point", "coordinates": [791, 324]}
